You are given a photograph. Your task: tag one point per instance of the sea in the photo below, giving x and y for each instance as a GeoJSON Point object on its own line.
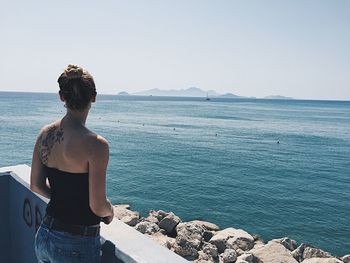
{"type": "Point", "coordinates": [271, 167]}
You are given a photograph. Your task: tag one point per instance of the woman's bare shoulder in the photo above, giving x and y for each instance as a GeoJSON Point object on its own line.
{"type": "Point", "coordinates": [49, 128]}
{"type": "Point", "coordinates": [97, 149]}
{"type": "Point", "coordinates": [49, 131]}
{"type": "Point", "coordinates": [97, 142]}
{"type": "Point", "coordinates": [49, 135]}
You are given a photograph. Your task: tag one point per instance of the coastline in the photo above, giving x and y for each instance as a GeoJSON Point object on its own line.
{"type": "Point", "coordinates": [204, 242]}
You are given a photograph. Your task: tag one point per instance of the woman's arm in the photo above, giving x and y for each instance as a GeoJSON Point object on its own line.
{"type": "Point", "coordinates": [98, 161]}
{"type": "Point", "coordinates": [38, 182]}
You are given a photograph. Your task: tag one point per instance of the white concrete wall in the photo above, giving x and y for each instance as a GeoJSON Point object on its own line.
{"type": "Point", "coordinates": [20, 210]}
{"type": "Point", "coordinates": [4, 219]}
{"type": "Point", "coordinates": [23, 214]}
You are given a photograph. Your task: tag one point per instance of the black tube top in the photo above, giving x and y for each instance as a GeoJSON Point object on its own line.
{"type": "Point", "coordinates": [70, 197]}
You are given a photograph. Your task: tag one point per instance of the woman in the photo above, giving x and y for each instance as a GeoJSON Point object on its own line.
{"type": "Point", "coordinates": [74, 159]}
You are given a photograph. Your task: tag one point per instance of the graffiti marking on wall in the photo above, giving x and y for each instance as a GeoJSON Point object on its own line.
{"type": "Point", "coordinates": [27, 212]}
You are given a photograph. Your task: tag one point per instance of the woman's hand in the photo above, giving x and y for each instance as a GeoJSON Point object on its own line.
{"type": "Point", "coordinates": [108, 219]}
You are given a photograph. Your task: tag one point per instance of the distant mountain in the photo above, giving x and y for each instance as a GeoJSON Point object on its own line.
{"type": "Point", "coordinates": [212, 93]}
{"type": "Point", "coordinates": [196, 92]}
{"type": "Point", "coordinates": [123, 93]}
{"type": "Point", "coordinates": [190, 92]}
{"type": "Point", "coordinates": [278, 97]}
{"type": "Point", "coordinates": [229, 95]}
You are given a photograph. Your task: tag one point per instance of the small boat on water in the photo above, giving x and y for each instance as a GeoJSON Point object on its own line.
{"type": "Point", "coordinates": [207, 98]}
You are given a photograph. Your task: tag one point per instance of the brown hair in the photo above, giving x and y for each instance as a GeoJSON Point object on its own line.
{"type": "Point", "coordinates": [77, 87]}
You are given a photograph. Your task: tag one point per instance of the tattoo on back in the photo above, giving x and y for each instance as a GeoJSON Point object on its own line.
{"type": "Point", "coordinates": [47, 141]}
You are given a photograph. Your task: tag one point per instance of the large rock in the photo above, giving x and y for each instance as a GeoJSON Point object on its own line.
{"type": "Point", "coordinates": [127, 216]}
{"type": "Point", "coordinates": [186, 250]}
{"type": "Point", "coordinates": [273, 252]}
{"type": "Point", "coordinates": [188, 239]}
{"type": "Point", "coordinates": [169, 222]}
{"type": "Point", "coordinates": [146, 227]}
{"type": "Point", "coordinates": [321, 260]}
{"type": "Point", "coordinates": [229, 256]}
{"type": "Point", "coordinates": [312, 252]}
{"type": "Point", "coordinates": [346, 258]}
{"type": "Point", "coordinates": [288, 243]}
{"type": "Point", "coordinates": [299, 251]}
{"type": "Point", "coordinates": [241, 243]}
{"type": "Point", "coordinates": [239, 239]}
{"type": "Point", "coordinates": [163, 240]}
{"type": "Point", "coordinates": [210, 249]}
{"type": "Point", "coordinates": [305, 251]}
{"type": "Point", "coordinates": [160, 214]}
{"type": "Point", "coordinates": [190, 232]}
{"type": "Point", "coordinates": [206, 225]}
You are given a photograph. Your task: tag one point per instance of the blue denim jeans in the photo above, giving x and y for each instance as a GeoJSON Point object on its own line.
{"type": "Point", "coordinates": [53, 246]}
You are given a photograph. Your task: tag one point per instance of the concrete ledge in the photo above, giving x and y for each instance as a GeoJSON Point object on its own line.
{"type": "Point", "coordinates": [120, 242]}
{"type": "Point", "coordinates": [132, 246]}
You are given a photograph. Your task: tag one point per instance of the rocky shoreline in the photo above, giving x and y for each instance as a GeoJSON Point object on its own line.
{"type": "Point", "coordinates": [204, 242]}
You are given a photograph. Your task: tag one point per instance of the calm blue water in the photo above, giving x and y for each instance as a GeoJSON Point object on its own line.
{"type": "Point", "coordinates": [299, 188]}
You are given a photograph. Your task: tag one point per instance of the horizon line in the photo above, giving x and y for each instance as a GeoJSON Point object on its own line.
{"type": "Point", "coordinates": [238, 98]}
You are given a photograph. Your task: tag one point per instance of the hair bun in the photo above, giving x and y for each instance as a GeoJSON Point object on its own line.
{"type": "Point", "coordinates": [73, 72]}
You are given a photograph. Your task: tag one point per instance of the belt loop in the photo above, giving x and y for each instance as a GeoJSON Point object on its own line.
{"type": "Point", "coordinates": [85, 231]}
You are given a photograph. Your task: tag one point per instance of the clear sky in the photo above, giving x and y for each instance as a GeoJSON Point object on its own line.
{"type": "Point", "coordinates": [297, 48]}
